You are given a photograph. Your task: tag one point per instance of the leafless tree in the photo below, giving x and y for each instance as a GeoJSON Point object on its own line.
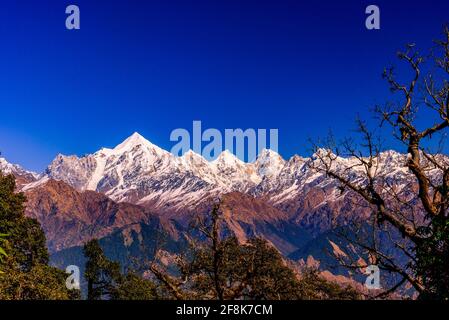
{"type": "Point", "coordinates": [417, 212]}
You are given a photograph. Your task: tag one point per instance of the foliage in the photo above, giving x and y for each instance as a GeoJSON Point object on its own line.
{"type": "Point", "coordinates": [102, 274]}
{"type": "Point", "coordinates": [105, 280]}
{"type": "Point", "coordinates": [41, 282]}
{"type": "Point", "coordinates": [2, 251]}
{"type": "Point", "coordinates": [433, 261]}
{"type": "Point", "coordinates": [314, 287]}
{"type": "Point", "coordinates": [254, 270]}
{"type": "Point", "coordinates": [134, 287]}
{"type": "Point", "coordinates": [26, 274]}
{"type": "Point", "coordinates": [221, 268]}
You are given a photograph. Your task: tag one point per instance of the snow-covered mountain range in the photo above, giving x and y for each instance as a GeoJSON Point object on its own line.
{"type": "Point", "coordinates": [139, 172]}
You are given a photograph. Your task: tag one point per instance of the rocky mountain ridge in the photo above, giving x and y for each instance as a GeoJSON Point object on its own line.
{"type": "Point", "coordinates": [139, 172]}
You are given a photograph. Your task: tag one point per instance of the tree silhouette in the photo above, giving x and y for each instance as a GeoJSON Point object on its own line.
{"type": "Point", "coordinates": [415, 217]}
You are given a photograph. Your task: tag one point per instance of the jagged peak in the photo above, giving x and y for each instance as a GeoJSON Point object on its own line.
{"type": "Point", "coordinates": [324, 152]}
{"type": "Point", "coordinates": [104, 151]}
{"type": "Point", "coordinates": [192, 155]}
{"type": "Point", "coordinates": [297, 159]}
{"type": "Point", "coordinates": [62, 156]}
{"type": "Point", "coordinates": [5, 165]}
{"type": "Point", "coordinates": [227, 157]}
{"type": "Point", "coordinates": [134, 140]}
{"type": "Point", "coordinates": [266, 154]}
{"type": "Point", "coordinates": [391, 153]}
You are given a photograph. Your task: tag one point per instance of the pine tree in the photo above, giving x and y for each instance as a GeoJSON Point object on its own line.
{"type": "Point", "coordinates": [105, 281]}
{"type": "Point", "coordinates": [25, 271]}
{"type": "Point", "coordinates": [102, 274]}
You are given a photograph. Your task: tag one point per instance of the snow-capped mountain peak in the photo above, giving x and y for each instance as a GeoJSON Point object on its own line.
{"type": "Point", "coordinates": [136, 140]}
{"type": "Point", "coordinates": [268, 153]}
{"type": "Point", "coordinates": [227, 157]}
{"type": "Point", "coordinates": [5, 166]}
{"type": "Point", "coordinates": [24, 176]}
{"type": "Point", "coordinates": [269, 163]}
{"type": "Point", "coordinates": [191, 160]}
{"type": "Point", "coordinates": [235, 171]}
{"type": "Point", "coordinates": [133, 140]}
{"type": "Point", "coordinates": [191, 155]}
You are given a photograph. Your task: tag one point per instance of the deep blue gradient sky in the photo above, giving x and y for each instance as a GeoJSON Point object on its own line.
{"type": "Point", "coordinates": [152, 66]}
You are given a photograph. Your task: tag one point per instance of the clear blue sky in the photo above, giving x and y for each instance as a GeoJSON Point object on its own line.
{"type": "Point", "coordinates": [152, 66]}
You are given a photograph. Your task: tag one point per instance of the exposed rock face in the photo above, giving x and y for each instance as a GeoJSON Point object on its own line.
{"type": "Point", "coordinates": [246, 217]}
{"type": "Point", "coordinates": [70, 217]}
